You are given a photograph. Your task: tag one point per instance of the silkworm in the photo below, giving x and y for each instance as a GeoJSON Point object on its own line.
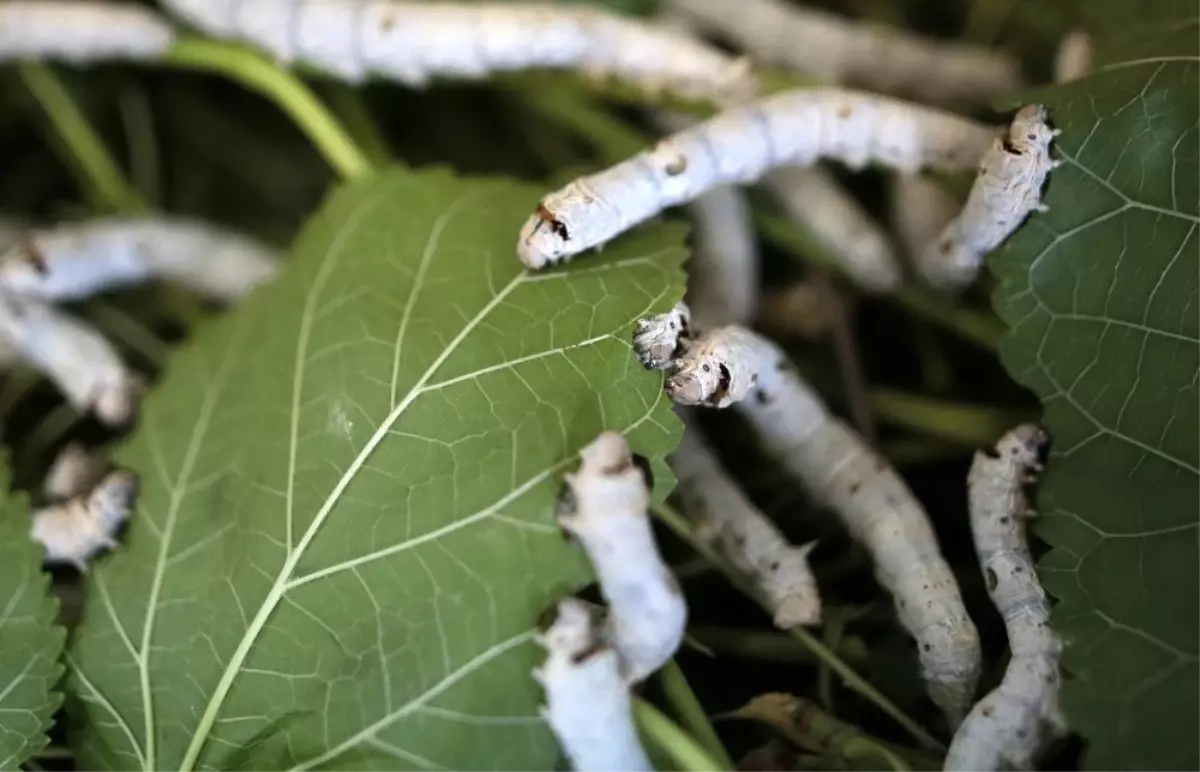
{"type": "Point", "coordinates": [1012, 725]}
{"type": "Point", "coordinates": [81, 31]}
{"type": "Point", "coordinates": [412, 42]}
{"type": "Point", "coordinates": [657, 339]}
{"type": "Point", "coordinates": [739, 146]}
{"type": "Point", "coordinates": [734, 366]}
{"type": "Point", "coordinates": [1073, 59]}
{"type": "Point", "coordinates": [78, 360]}
{"type": "Point", "coordinates": [725, 518]}
{"type": "Point", "coordinates": [813, 198]}
{"type": "Point", "coordinates": [604, 508]}
{"type": "Point", "coordinates": [74, 531]}
{"type": "Point", "coordinates": [73, 472]}
{"type": "Point", "coordinates": [838, 50]}
{"type": "Point", "coordinates": [588, 703]}
{"type": "Point", "coordinates": [723, 275]}
{"type": "Point", "coordinates": [920, 209]}
{"type": "Point", "coordinates": [1006, 190]}
{"type": "Point", "coordinates": [73, 261]}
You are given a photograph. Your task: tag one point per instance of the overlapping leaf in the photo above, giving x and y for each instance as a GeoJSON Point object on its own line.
{"type": "Point", "coordinates": [30, 642]}
{"type": "Point", "coordinates": [346, 533]}
{"type": "Point", "coordinates": [1102, 295]}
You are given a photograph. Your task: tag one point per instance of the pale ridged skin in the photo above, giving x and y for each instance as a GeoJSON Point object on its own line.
{"type": "Point", "coordinates": [75, 530]}
{"type": "Point", "coordinates": [73, 472]}
{"type": "Point", "coordinates": [1007, 189]}
{"type": "Point", "coordinates": [84, 366]}
{"type": "Point", "coordinates": [1013, 724]}
{"type": "Point", "coordinates": [920, 210]}
{"type": "Point", "coordinates": [725, 518]}
{"type": "Point", "coordinates": [739, 146]}
{"type": "Point", "coordinates": [74, 261]}
{"type": "Point", "coordinates": [1073, 60]}
{"type": "Point", "coordinates": [812, 197]}
{"type": "Point", "coordinates": [606, 510]}
{"type": "Point", "coordinates": [588, 703]}
{"type": "Point", "coordinates": [734, 366]}
{"type": "Point", "coordinates": [413, 42]}
{"type": "Point", "coordinates": [81, 31]}
{"type": "Point", "coordinates": [839, 50]}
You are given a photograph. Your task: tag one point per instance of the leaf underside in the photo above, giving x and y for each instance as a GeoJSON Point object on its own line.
{"type": "Point", "coordinates": [345, 534]}
{"type": "Point", "coordinates": [1102, 300]}
{"type": "Point", "coordinates": [30, 642]}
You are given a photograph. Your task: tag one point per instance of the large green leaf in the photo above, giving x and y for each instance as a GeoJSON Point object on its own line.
{"type": "Point", "coordinates": [30, 642]}
{"type": "Point", "coordinates": [345, 533]}
{"type": "Point", "coordinates": [1102, 295]}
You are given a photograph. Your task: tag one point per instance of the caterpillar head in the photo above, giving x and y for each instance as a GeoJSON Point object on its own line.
{"type": "Point", "coordinates": [1029, 130]}
{"type": "Point", "coordinates": [566, 223]}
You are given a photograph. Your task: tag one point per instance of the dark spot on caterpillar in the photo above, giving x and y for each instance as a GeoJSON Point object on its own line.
{"type": "Point", "coordinates": [677, 166]}
{"type": "Point", "coordinates": [388, 22]}
{"type": "Point", "coordinates": [761, 397]}
{"type": "Point", "coordinates": [1031, 137]}
{"type": "Point", "coordinates": [34, 257]}
{"type": "Point", "coordinates": [643, 465]}
{"type": "Point", "coordinates": [844, 112]}
{"type": "Point", "coordinates": [1004, 520]}
{"type": "Point", "coordinates": [988, 710]}
{"type": "Point", "coordinates": [723, 383]}
{"type": "Point", "coordinates": [945, 246]}
{"type": "Point", "coordinates": [1009, 147]}
{"type": "Point", "coordinates": [880, 464]}
{"type": "Point", "coordinates": [992, 580]}
{"type": "Point", "coordinates": [780, 366]}
{"type": "Point", "coordinates": [927, 647]}
{"type": "Point", "coordinates": [739, 541]}
{"type": "Point", "coordinates": [855, 487]}
{"type": "Point", "coordinates": [706, 368]}
{"type": "Point", "coordinates": [1019, 570]}
{"type": "Point", "coordinates": [1021, 733]}
{"type": "Point", "coordinates": [555, 224]}
{"type": "Point", "coordinates": [591, 651]}
{"type": "Point", "coordinates": [992, 452]}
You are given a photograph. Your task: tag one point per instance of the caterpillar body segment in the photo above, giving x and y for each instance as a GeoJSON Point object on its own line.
{"type": "Point", "coordinates": [588, 703]}
{"type": "Point", "coordinates": [73, 472]}
{"type": "Point", "coordinates": [1007, 189]}
{"type": "Point", "coordinates": [70, 262]}
{"type": "Point", "coordinates": [725, 518]}
{"type": "Point", "coordinates": [838, 50]}
{"type": "Point", "coordinates": [1014, 723]}
{"type": "Point", "coordinates": [812, 197]}
{"type": "Point", "coordinates": [1073, 59]}
{"type": "Point", "coordinates": [413, 42]}
{"type": "Point", "coordinates": [605, 509]}
{"type": "Point", "coordinates": [81, 31]}
{"type": "Point", "coordinates": [739, 146]}
{"type": "Point", "coordinates": [75, 530]}
{"type": "Point", "coordinates": [84, 366]}
{"type": "Point", "coordinates": [734, 366]}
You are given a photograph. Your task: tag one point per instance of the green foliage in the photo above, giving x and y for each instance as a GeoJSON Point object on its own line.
{"type": "Point", "coordinates": [345, 533]}
{"type": "Point", "coordinates": [30, 642]}
{"type": "Point", "coordinates": [1101, 294]}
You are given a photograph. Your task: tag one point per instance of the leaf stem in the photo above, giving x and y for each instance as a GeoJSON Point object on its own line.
{"type": "Point", "coordinates": [672, 740]}
{"type": "Point", "coordinates": [687, 706]}
{"type": "Point", "coordinates": [971, 425]}
{"type": "Point", "coordinates": [680, 526]}
{"type": "Point", "coordinates": [770, 646]}
{"type": "Point", "coordinates": [282, 87]}
{"type": "Point", "coordinates": [99, 174]}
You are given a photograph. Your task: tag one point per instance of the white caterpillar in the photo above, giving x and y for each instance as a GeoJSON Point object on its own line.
{"type": "Point", "coordinates": [75, 530]}
{"type": "Point", "coordinates": [588, 704]}
{"type": "Point", "coordinates": [723, 275]}
{"type": "Point", "coordinates": [657, 339]}
{"type": "Point", "coordinates": [604, 507]}
{"type": "Point", "coordinates": [725, 518]}
{"type": "Point", "coordinates": [73, 472]}
{"type": "Point", "coordinates": [81, 31]}
{"type": "Point", "coordinates": [1073, 60]}
{"type": "Point", "coordinates": [920, 210]}
{"type": "Point", "coordinates": [732, 365]}
{"type": "Point", "coordinates": [838, 50]}
{"type": "Point", "coordinates": [1008, 187]}
{"type": "Point", "coordinates": [80, 361]}
{"type": "Point", "coordinates": [812, 197]}
{"type": "Point", "coordinates": [412, 42]}
{"type": "Point", "coordinates": [69, 262]}
{"type": "Point", "coordinates": [791, 128]}
{"type": "Point", "coordinates": [1010, 727]}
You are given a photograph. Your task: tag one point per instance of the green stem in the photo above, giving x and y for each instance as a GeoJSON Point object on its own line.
{"type": "Point", "coordinates": [673, 741]}
{"type": "Point", "coordinates": [284, 88]}
{"type": "Point", "coordinates": [687, 706]}
{"type": "Point", "coordinates": [971, 325]}
{"type": "Point", "coordinates": [349, 103]}
{"type": "Point", "coordinates": [100, 175]}
{"type": "Point", "coordinates": [679, 525]}
{"type": "Point", "coordinates": [971, 425]}
{"type": "Point", "coordinates": [770, 646]}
